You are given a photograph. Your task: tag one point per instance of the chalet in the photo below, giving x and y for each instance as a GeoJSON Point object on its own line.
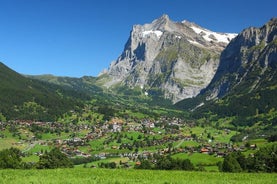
{"type": "Point", "coordinates": [253, 146]}
{"type": "Point", "coordinates": [114, 147]}
{"type": "Point", "coordinates": [220, 154]}
{"type": "Point", "coordinates": [151, 125]}
{"type": "Point", "coordinates": [242, 148]}
{"type": "Point", "coordinates": [126, 165]}
{"type": "Point", "coordinates": [116, 127]}
{"type": "Point", "coordinates": [76, 139]}
{"type": "Point", "coordinates": [101, 156]}
{"type": "Point", "coordinates": [204, 150]}
{"type": "Point", "coordinates": [188, 138]}
{"type": "Point", "coordinates": [245, 138]}
{"type": "Point", "coordinates": [58, 141]}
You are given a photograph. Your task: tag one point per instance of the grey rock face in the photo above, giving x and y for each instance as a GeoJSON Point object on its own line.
{"type": "Point", "coordinates": [250, 60]}
{"type": "Point", "coordinates": [179, 58]}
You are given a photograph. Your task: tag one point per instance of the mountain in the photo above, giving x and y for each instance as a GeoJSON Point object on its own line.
{"type": "Point", "coordinates": [174, 59]}
{"type": "Point", "coordinates": [30, 99]}
{"type": "Point", "coordinates": [244, 86]}
{"type": "Point", "coordinates": [85, 84]}
{"type": "Point", "coordinates": [105, 104]}
{"type": "Point", "coordinates": [249, 60]}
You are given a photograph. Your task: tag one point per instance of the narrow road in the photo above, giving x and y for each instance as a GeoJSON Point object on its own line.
{"type": "Point", "coordinates": [31, 146]}
{"type": "Point", "coordinates": [180, 143]}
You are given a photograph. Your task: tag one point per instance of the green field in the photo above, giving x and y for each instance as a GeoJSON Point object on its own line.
{"type": "Point", "coordinates": [118, 176]}
{"type": "Point", "coordinates": [199, 158]}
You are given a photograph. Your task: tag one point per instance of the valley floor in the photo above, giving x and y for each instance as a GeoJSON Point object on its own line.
{"type": "Point", "coordinates": [118, 176]}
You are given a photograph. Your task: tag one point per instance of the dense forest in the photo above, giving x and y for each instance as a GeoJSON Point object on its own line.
{"type": "Point", "coordinates": [24, 98]}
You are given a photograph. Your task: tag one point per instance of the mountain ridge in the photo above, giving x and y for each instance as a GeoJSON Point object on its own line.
{"type": "Point", "coordinates": [167, 56]}
{"type": "Point", "coordinates": [243, 89]}
{"type": "Point", "coordinates": [251, 44]}
{"type": "Point", "coordinates": [26, 98]}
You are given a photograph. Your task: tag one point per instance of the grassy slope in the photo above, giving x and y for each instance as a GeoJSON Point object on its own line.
{"type": "Point", "coordinates": [99, 176]}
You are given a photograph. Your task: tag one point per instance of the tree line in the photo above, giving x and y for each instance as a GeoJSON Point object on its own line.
{"type": "Point", "coordinates": [11, 159]}
{"type": "Point", "coordinates": [264, 160]}
{"type": "Point", "coordinates": [166, 163]}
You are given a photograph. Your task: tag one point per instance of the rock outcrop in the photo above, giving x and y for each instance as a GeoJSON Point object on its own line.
{"type": "Point", "coordinates": [248, 62]}
{"type": "Point", "coordinates": [177, 58]}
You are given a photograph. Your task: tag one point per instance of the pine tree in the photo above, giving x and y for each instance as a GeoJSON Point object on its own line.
{"type": "Point", "coordinates": [54, 159]}
{"type": "Point", "coordinates": [10, 159]}
{"type": "Point", "coordinates": [230, 164]}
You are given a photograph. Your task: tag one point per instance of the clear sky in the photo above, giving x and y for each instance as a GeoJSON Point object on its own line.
{"type": "Point", "coordinates": [81, 37]}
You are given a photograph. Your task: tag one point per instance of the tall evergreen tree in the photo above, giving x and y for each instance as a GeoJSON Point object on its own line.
{"type": "Point", "coordinates": [54, 159]}
{"type": "Point", "coordinates": [10, 159]}
{"type": "Point", "coordinates": [230, 164]}
{"type": "Point", "coordinates": [265, 160]}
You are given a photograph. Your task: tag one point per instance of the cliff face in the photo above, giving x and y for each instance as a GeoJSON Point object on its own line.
{"type": "Point", "coordinates": [177, 58]}
{"type": "Point", "coordinates": [243, 90]}
{"type": "Point", "coordinates": [250, 60]}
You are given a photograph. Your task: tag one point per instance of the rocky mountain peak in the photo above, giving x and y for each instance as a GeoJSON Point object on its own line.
{"type": "Point", "coordinates": [163, 23]}
{"type": "Point", "coordinates": [248, 59]}
{"type": "Point", "coordinates": [160, 23]}
{"type": "Point", "coordinates": [177, 58]}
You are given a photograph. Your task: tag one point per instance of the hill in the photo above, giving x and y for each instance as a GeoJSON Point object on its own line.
{"type": "Point", "coordinates": [120, 102]}
{"type": "Point", "coordinates": [30, 99]}
{"type": "Point", "coordinates": [86, 84]}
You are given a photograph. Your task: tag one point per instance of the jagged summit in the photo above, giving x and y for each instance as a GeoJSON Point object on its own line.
{"type": "Point", "coordinates": [250, 61]}
{"type": "Point", "coordinates": [163, 24]}
{"type": "Point", "coordinates": [177, 58]}
{"type": "Point", "coordinates": [160, 22]}
{"type": "Point", "coordinates": [209, 35]}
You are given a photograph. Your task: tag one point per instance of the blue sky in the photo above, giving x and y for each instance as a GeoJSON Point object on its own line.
{"type": "Point", "coordinates": [81, 37]}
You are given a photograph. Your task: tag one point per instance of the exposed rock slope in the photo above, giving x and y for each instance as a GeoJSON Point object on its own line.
{"type": "Point", "coordinates": [244, 86]}
{"type": "Point", "coordinates": [249, 62]}
{"type": "Point", "coordinates": [177, 58]}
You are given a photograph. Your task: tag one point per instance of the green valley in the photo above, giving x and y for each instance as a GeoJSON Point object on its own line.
{"type": "Point", "coordinates": [181, 104]}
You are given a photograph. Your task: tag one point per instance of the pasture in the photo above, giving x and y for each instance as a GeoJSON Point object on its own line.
{"type": "Point", "coordinates": [128, 176]}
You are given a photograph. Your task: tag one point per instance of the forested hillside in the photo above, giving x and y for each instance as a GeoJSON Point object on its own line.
{"type": "Point", "coordinates": [29, 99]}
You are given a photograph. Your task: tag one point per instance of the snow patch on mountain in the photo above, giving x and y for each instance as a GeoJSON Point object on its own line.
{"type": "Point", "coordinates": [195, 42]}
{"type": "Point", "coordinates": [169, 56]}
{"type": "Point", "coordinates": [156, 32]}
{"type": "Point", "coordinates": [213, 36]}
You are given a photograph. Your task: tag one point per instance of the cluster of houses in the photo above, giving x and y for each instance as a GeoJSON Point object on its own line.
{"type": "Point", "coordinates": [70, 146]}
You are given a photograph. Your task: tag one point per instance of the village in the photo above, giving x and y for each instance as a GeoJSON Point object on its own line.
{"type": "Point", "coordinates": [120, 139]}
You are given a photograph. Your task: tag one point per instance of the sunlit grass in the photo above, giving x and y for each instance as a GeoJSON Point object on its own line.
{"type": "Point", "coordinates": [105, 176]}
{"type": "Point", "coordinates": [199, 158]}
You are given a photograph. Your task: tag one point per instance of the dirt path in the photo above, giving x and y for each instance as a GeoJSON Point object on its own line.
{"type": "Point", "coordinates": [30, 146]}
{"type": "Point", "coordinates": [180, 143]}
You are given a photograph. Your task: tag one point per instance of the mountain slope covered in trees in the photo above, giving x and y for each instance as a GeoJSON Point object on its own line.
{"type": "Point", "coordinates": [25, 98]}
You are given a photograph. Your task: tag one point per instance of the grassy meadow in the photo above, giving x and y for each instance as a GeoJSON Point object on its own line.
{"type": "Point", "coordinates": [118, 176]}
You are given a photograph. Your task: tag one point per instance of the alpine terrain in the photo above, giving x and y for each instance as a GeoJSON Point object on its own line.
{"type": "Point", "coordinates": [250, 60]}
{"type": "Point", "coordinates": [175, 59]}
{"type": "Point", "coordinates": [243, 89]}
{"type": "Point", "coordinates": [223, 116]}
